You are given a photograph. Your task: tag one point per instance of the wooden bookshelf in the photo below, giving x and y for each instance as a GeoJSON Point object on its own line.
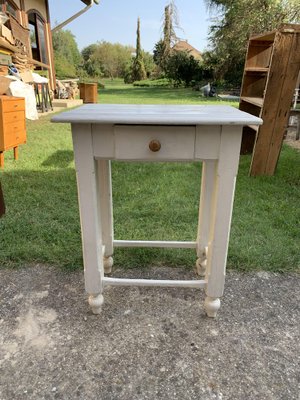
{"type": "Point", "coordinates": [270, 75]}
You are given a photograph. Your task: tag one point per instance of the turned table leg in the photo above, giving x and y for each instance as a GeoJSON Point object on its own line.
{"type": "Point", "coordinates": [225, 171]}
{"type": "Point", "coordinates": [90, 219]}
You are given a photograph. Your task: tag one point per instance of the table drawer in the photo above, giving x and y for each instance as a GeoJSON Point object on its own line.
{"type": "Point", "coordinates": [149, 142]}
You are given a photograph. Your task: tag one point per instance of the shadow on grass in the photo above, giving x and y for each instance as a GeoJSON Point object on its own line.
{"type": "Point", "coordinates": [59, 159]}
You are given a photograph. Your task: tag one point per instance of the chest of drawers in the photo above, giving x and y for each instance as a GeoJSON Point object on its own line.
{"type": "Point", "coordinates": [12, 125]}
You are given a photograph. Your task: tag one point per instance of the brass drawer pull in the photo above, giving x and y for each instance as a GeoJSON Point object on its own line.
{"type": "Point", "coordinates": [154, 145]}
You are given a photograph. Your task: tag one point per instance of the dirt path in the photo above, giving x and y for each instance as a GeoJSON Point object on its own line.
{"type": "Point", "coordinates": [148, 343]}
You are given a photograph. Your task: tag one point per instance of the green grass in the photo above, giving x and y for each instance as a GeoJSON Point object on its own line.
{"type": "Point", "coordinates": [151, 201]}
{"type": "Point", "coordinates": [117, 92]}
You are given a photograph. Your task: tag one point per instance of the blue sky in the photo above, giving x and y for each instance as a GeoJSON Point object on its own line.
{"type": "Point", "coordinates": [115, 21]}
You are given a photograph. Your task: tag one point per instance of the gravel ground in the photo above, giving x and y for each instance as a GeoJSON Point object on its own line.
{"type": "Point", "coordinates": [148, 343]}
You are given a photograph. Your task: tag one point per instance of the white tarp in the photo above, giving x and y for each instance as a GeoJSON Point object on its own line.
{"type": "Point", "coordinates": [18, 88]}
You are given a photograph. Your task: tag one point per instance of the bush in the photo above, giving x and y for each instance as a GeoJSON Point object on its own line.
{"type": "Point", "coordinates": [163, 82]}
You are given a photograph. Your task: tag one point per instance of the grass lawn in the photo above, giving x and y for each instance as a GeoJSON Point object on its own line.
{"type": "Point", "coordinates": [151, 201]}
{"type": "Point", "coordinates": [116, 92]}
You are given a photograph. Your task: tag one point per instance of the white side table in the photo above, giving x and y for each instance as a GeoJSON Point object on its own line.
{"type": "Point", "coordinates": [153, 133]}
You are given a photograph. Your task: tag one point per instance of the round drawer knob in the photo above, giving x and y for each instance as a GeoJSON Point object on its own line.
{"type": "Point", "coordinates": [154, 145]}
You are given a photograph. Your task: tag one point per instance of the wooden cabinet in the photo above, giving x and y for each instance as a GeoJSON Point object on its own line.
{"type": "Point", "coordinates": [88, 92]}
{"type": "Point", "coordinates": [270, 76]}
{"type": "Point", "coordinates": [12, 125]}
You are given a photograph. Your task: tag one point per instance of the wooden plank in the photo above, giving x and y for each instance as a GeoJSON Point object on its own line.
{"type": "Point", "coordinates": [285, 102]}
{"type": "Point", "coordinates": [257, 101]}
{"type": "Point", "coordinates": [267, 36]}
{"type": "Point", "coordinates": [256, 69]}
{"type": "Point", "coordinates": [274, 113]}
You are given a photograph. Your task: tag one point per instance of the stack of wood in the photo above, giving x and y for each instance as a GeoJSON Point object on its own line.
{"type": "Point", "coordinates": [67, 89]}
{"type": "Point", "coordinates": [14, 46]}
{"type": "Point", "coordinates": [21, 36]}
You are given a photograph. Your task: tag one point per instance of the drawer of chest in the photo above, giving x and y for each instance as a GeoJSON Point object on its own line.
{"type": "Point", "coordinates": [15, 133]}
{"type": "Point", "coordinates": [148, 142]}
{"type": "Point", "coordinates": [11, 117]}
{"type": "Point", "coordinates": [13, 105]}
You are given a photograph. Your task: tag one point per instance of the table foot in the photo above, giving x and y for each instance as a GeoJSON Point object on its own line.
{"type": "Point", "coordinates": [201, 267]}
{"type": "Point", "coordinates": [212, 305]}
{"type": "Point", "coordinates": [95, 302]}
{"type": "Point", "coordinates": [108, 263]}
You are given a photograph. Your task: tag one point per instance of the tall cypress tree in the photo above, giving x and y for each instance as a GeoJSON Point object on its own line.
{"type": "Point", "coordinates": [138, 67]}
{"type": "Point", "coordinates": [163, 47]}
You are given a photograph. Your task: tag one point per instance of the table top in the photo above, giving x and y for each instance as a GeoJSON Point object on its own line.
{"type": "Point", "coordinates": [158, 114]}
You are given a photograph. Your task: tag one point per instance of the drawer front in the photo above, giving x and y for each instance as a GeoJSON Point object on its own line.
{"type": "Point", "coordinates": [14, 134]}
{"type": "Point", "coordinates": [157, 143]}
{"type": "Point", "coordinates": [11, 117]}
{"type": "Point", "coordinates": [13, 105]}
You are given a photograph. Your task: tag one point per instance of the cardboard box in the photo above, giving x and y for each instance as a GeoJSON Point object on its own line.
{"type": "Point", "coordinates": [26, 76]}
{"type": "Point", "coordinates": [4, 84]}
{"type": "Point", "coordinates": [6, 34]}
{"type": "Point", "coordinates": [5, 59]}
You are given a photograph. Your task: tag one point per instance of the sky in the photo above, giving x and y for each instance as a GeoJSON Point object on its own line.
{"type": "Point", "coordinates": [115, 21]}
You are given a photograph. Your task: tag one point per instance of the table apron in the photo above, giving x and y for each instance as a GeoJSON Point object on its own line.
{"type": "Point", "coordinates": [178, 143]}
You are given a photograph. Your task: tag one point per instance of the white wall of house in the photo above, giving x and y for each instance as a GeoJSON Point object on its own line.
{"type": "Point", "coordinates": [39, 5]}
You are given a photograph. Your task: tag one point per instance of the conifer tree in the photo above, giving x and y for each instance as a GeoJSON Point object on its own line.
{"type": "Point", "coordinates": [138, 67]}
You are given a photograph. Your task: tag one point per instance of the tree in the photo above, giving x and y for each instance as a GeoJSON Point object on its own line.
{"type": "Point", "coordinates": [91, 64]}
{"type": "Point", "coordinates": [138, 67]}
{"type": "Point", "coordinates": [163, 47]}
{"type": "Point", "coordinates": [149, 63]}
{"type": "Point", "coordinates": [108, 59]}
{"type": "Point", "coordinates": [237, 20]}
{"type": "Point", "coordinates": [67, 57]}
{"type": "Point", "coordinates": [183, 68]}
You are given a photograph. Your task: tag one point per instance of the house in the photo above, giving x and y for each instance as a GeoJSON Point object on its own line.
{"type": "Point", "coordinates": [25, 36]}
{"type": "Point", "coordinates": [183, 45]}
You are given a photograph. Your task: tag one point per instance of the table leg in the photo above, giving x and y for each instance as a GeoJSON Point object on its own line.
{"type": "Point", "coordinates": [106, 212]}
{"type": "Point", "coordinates": [222, 201]}
{"type": "Point", "coordinates": [89, 207]}
{"type": "Point", "coordinates": [205, 209]}
{"type": "Point", "coordinates": [1, 159]}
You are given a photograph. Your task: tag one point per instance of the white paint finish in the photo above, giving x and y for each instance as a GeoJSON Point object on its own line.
{"type": "Point", "coordinates": [212, 306]}
{"type": "Point", "coordinates": [103, 141]}
{"type": "Point", "coordinates": [214, 136]}
{"type": "Point", "coordinates": [157, 115]}
{"type": "Point", "coordinates": [155, 243]}
{"type": "Point", "coordinates": [222, 202]}
{"type": "Point", "coordinates": [89, 207]}
{"type": "Point", "coordinates": [132, 142]}
{"type": "Point", "coordinates": [205, 207]}
{"type": "Point", "coordinates": [95, 302]}
{"type": "Point", "coordinates": [197, 284]}
{"type": "Point", "coordinates": [207, 144]}
{"type": "Point", "coordinates": [106, 208]}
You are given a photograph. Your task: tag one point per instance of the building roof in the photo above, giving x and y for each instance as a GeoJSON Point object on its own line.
{"type": "Point", "coordinates": [183, 45]}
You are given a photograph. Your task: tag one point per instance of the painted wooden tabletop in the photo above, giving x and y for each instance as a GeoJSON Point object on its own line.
{"type": "Point", "coordinates": [157, 115]}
